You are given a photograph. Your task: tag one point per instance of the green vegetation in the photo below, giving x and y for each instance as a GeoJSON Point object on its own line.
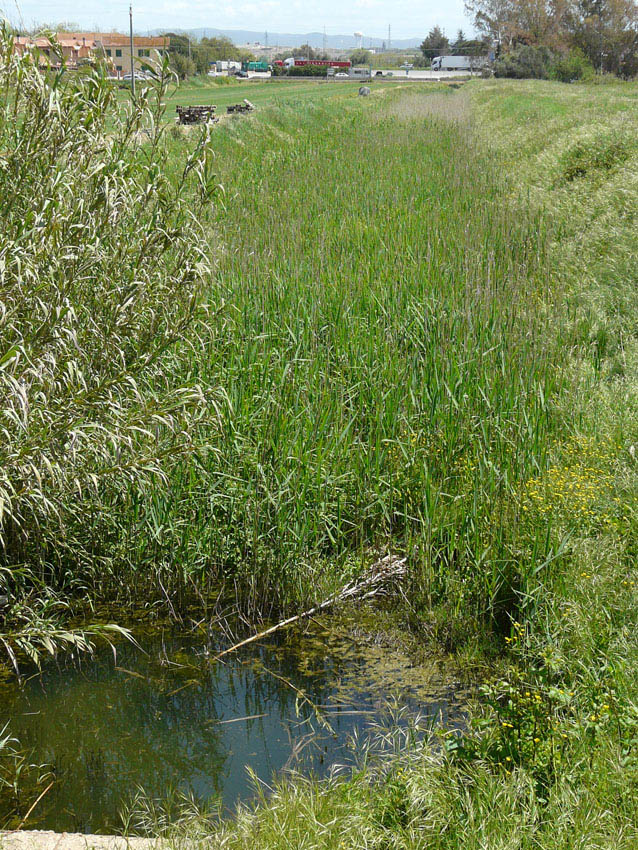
{"type": "Point", "coordinates": [550, 761]}
{"type": "Point", "coordinates": [406, 322]}
{"type": "Point", "coordinates": [190, 56]}
{"type": "Point", "coordinates": [224, 91]}
{"type": "Point", "coordinates": [102, 265]}
{"type": "Point", "coordinates": [528, 62]}
{"type": "Point", "coordinates": [603, 32]}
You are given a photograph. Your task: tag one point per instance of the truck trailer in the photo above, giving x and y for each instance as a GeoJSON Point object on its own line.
{"type": "Point", "coordinates": [294, 62]}
{"type": "Point", "coordinates": [260, 65]}
{"type": "Point", "coordinates": [457, 63]}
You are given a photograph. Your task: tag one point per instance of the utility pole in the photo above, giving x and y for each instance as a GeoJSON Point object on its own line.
{"type": "Point", "coordinates": [130, 16]}
{"type": "Point", "coordinates": [389, 37]}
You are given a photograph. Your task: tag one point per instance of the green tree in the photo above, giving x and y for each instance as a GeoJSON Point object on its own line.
{"type": "Point", "coordinates": [360, 57]}
{"type": "Point", "coordinates": [183, 65]}
{"type": "Point", "coordinates": [435, 43]}
{"type": "Point", "coordinates": [305, 52]}
{"type": "Point", "coordinates": [525, 61]}
{"type": "Point", "coordinates": [179, 43]}
{"type": "Point", "coordinates": [61, 26]}
{"type": "Point", "coordinates": [221, 49]}
{"type": "Point", "coordinates": [607, 33]}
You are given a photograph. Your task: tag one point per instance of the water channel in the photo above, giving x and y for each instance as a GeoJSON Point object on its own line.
{"type": "Point", "coordinates": [163, 716]}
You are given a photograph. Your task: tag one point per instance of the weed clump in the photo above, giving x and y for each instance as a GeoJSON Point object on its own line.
{"type": "Point", "coordinates": [598, 150]}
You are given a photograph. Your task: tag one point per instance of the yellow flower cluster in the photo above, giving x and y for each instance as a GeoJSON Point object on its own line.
{"type": "Point", "coordinates": [581, 488]}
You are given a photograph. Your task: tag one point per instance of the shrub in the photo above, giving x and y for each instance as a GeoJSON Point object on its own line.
{"type": "Point", "coordinates": [102, 263]}
{"type": "Point", "coordinates": [572, 66]}
{"type": "Point", "coordinates": [524, 62]}
{"type": "Point", "coordinates": [307, 71]}
{"type": "Point", "coordinates": [183, 66]}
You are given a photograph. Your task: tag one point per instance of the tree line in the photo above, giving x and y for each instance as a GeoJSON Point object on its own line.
{"type": "Point", "coordinates": [190, 56]}
{"type": "Point", "coordinates": [532, 36]}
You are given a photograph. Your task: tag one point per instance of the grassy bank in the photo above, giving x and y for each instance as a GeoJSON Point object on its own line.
{"type": "Point", "coordinates": [551, 761]}
{"type": "Point", "coordinates": [384, 373]}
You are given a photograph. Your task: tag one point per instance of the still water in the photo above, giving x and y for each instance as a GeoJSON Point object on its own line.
{"type": "Point", "coordinates": [164, 717]}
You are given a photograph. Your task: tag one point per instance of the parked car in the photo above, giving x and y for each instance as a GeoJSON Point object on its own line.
{"type": "Point", "coordinates": [341, 76]}
{"type": "Point", "coordinates": [242, 74]}
{"type": "Point", "coordinates": [140, 77]}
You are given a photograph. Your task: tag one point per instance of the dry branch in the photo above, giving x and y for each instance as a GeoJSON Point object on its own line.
{"type": "Point", "coordinates": [374, 583]}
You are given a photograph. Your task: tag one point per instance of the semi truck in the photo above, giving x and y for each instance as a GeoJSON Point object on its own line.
{"type": "Point", "coordinates": [457, 63]}
{"type": "Point", "coordinates": [260, 65]}
{"type": "Point", "coordinates": [317, 63]}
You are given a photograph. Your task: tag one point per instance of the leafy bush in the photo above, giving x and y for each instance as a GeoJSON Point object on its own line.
{"type": "Point", "coordinates": [183, 66]}
{"type": "Point", "coordinates": [307, 71]}
{"type": "Point", "coordinates": [572, 66]}
{"type": "Point", "coordinates": [101, 267]}
{"type": "Point", "coordinates": [524, 62]}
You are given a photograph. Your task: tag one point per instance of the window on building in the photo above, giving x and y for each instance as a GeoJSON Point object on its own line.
{"type": "Point", "coordinates": [108, 51]}
{"type": "Point", "coordinates": [118, 67]}
{"type": "Point", "coordinates": [143, 52]}
{"type": "Point", "coordinates": [118, 52]}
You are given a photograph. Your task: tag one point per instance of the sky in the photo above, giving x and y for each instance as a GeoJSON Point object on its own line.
{"type": "Point", "coordinates": [408, 19]}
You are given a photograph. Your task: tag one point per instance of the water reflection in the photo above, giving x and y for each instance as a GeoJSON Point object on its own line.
{"type": "Point", "coordinates": [165, 718]}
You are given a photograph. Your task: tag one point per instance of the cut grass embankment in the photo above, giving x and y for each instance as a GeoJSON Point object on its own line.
{"type": "Point", "coordinates": [552, 760]}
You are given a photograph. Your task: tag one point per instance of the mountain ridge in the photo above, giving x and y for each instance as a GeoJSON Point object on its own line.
{"type": "Point", "coordinates": [314, 39]}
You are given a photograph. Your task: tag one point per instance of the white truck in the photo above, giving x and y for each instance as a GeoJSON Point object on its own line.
{"type": "Point", "coordinates": [457, 63]}
{"type": "Point", "coordinates": [224, 67]}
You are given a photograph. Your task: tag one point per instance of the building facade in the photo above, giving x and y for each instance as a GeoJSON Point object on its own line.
{"type": "Point", "coordinates": [77, 48]}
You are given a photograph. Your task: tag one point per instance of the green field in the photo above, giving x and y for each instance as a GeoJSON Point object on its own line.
{"type": "Point", "coordinates": [240, 366]}
{"type": "Point", "coordinates": [262, 92]}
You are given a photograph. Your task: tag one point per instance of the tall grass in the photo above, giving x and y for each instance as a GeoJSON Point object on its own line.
{"type": "Point", "coordinates": [550, 761]}
{"type": "Point", "coordinates": [377, 376]}
{"type": "Point", "coordinates": [102, 263]}
{"type": "Point", "coordinates": [386, 372]}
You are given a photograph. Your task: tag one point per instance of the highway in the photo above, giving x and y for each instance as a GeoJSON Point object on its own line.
{"type": "Point", "coordinates": [396, 74]}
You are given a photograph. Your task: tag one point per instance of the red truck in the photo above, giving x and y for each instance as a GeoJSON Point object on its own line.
{"type": "Point", "coordinates": [320, 63]}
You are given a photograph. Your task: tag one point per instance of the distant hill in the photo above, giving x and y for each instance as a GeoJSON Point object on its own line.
{"type": "Point", "coordinates": [314, 39]}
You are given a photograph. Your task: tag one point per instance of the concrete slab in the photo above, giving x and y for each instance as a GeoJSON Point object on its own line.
{"type": "Point", "coordinates": [37, 839]}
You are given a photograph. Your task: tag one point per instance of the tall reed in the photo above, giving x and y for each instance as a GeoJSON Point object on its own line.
{"type": "Point", "coordinates": [102, 264]}
{"type": "Point", "coordinates": [383, 352]}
